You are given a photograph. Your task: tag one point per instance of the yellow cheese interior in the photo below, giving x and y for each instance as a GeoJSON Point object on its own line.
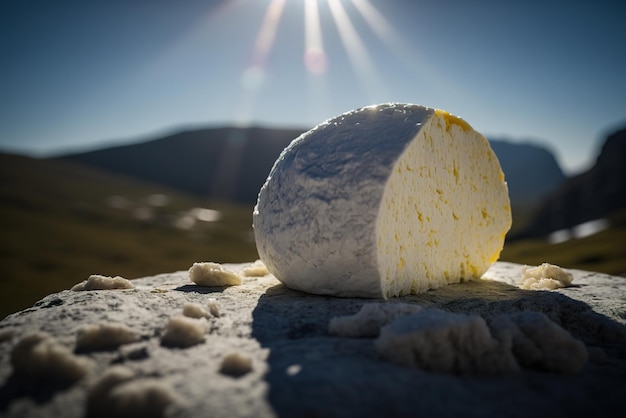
{"type": "Point", "coordinates": [444, 212]}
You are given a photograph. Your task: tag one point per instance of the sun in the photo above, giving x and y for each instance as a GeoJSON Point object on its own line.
{"type": "Point", "coordinates": [315, 59]}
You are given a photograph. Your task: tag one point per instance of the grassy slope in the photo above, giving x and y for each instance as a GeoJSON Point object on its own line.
{"type": "Point", "coordinates": [57, 230]}
{"type": "Point", "coordinates": [604, 252]}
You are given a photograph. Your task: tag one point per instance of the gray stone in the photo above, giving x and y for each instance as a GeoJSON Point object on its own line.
{"type": "Point", "coordinates": [299, 369]}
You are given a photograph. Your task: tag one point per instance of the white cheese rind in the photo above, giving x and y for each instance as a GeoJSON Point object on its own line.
{"type": "Point", "coordinates": [328, 215]}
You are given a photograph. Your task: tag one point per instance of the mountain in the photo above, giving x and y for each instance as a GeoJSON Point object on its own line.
{"type": "Point", "coordinates": [232, 163]}
{"type": "Point", "coordinates": [531, 171]}
{"type": "Point", "coordinates": [223, 163]}
{"type": "Point", "coordinates": [595, 194]}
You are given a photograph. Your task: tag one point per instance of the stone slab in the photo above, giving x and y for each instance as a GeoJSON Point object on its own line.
{"type": "Point", "coordinates": [301, 370]}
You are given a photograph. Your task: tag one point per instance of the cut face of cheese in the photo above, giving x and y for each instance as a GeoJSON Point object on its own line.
{"type": "Point", "coordinates": [383, 201]}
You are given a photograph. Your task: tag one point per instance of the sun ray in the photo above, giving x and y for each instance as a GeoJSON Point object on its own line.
{"type": "Point", "coordinates": [267, 34]}
{"type": "Point", "coordinates": [396, 44]}
{"type": "Point", "coordinates": [376, 20]}
{"type": "Point", "coordinates": [253, 76]}
{"type": "Point", "coordinates": [315, 60]}
{"type": "Point", "coordinates": [357, 53]}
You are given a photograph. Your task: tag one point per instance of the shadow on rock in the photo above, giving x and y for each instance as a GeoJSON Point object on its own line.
{"type": "Point", "coordinates": [39, 390]}
{"type": "Point", "coordinates": [314, 374]}
{"type": "Point", "coordinates": [204, 290]}
{"type": "Point", "coordinates": [491, 298]}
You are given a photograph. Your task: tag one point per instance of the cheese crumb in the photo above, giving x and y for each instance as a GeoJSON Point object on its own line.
{"type": "Point", "coordinates": [370, 319]}
{"type": "Point", "coordinates": [40, 357]}
{"type": "Point", "coordinates": [236, 365]}
{"type": "Point", "coordinates": [142, 398]}
{"type": "Point", "coordinates": [104, 337]}
{"type": "Point", "coordinates": [540, 343]}
{"type": "Point", "coordinates": [293, 370]}
{"type": "Point", "coordinates": [117, 394]}
{"type": "Point", "coordinates": [213, 274]}
{"type": "Point", "coordinates": [441, 341]}
{"type": "Point", "coordinates": [256, 269]}
{"type": "Point", "coordinates": [99, 282]}
{"type": "Point", "coordinates": [96, 398]}
{"type": "Point", "coordinates": [195, 310]}
{"type": "Point", "coordinates": [545, 277]}
{"type": "Point", "coordinates": [184, 332]}
{"type": "Point", "coordinates": [214, 308]}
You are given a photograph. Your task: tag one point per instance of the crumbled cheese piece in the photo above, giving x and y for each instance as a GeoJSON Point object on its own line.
{"type": "Point", "coordinates": [104, 337]}
{"type": "Point", "coordinates": [293, 370]}
{"type": "Point", "coordinates": [540, 343]}
{"type": "Point", "coordinates": [40, 357]}
{"type": "Point", "coordinates": [99, 282]}
{"type": "Point", "coordinates": [195, 310]}
{"type": "Point", "coordinates": [214, 308]}
{"type": "Point", "coordinates": [116, 394]}
{"type": "Point", "coordinates": [383, 201]}
{"type": "Point", "coordinates": [114, 376]}
{"type": "Point", "coordinates": [441, 341]}
{"type": "Point", "coordinates": [183, 332]}
{"type": "Point", "coordinates": [213, 274]}
{"type": "Point", "coordinates": [545, 277]}
{"type": "Point", "coordinates": [236, 364]}
{"type": "Point", "coordinates": [370, 319]}
{"type": "Point", "coordinates": [256, 269]}
{"type": "Point", "coordinates": [147, 397]}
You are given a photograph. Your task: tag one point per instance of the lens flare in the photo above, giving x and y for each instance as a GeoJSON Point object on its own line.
{"type": "Point", "coordinates": [267, 34]}
{"type": "Point", "coordinates": [357, 53]}
{"type": "Point", "coordinates": [315, 60]}
{"type": "Point", "coordinates": [349, 17]}
{"type": "Point", "coordinates": [253, 77]}
{"type": "Point", "coordinates": [396, 44]}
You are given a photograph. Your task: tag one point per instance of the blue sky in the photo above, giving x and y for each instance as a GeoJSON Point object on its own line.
{"type": "Point", "coordinates": [80, 74]}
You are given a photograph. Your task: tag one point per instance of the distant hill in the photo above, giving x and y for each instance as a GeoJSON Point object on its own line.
{"type": "Point", "coordinates": [222, 163]}
{"type": "Point", "coordinates": [63, 221]}
{"type": "Point", "coordinates": [595, 194]}
{"type": "Point", "coordinates": [531, 170]}
{"type": "Point", "coordinates": [232, 163]}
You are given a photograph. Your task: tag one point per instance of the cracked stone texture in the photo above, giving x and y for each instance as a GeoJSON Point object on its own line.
{"type": "Point", "coordinates": [298, 369]}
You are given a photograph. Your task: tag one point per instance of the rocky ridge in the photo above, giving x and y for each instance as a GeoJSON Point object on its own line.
{"type": "Point", "coordinates": [592, 195]}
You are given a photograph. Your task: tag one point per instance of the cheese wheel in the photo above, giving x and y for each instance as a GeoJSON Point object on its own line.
{"type": "Point", "coordinates": [383, 201]}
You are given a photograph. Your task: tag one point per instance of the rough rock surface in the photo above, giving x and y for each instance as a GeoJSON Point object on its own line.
{"type": "Point", "coordinates": [299, 369]}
